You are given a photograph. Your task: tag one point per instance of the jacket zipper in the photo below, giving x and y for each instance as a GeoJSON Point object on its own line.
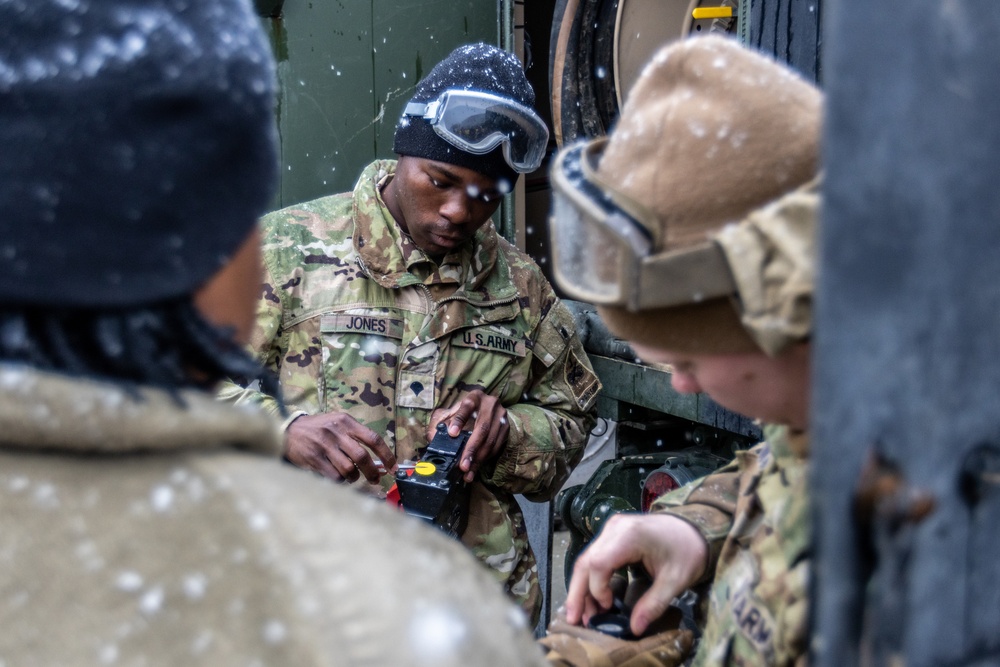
{"type": "Point", "coordinates": [483, 304]}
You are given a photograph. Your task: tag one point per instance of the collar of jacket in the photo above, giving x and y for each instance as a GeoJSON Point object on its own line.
{"type": "Point", "coordinates": [478, 267]}
{"type": "Point", "coordinates": [787, 442]}
{"type": "Point", "coordinates": [54, 412]}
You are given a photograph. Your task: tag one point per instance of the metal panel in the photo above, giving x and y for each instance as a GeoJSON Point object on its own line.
{"type": "Point", "coordinates": [908, 351]}
{"type": "Point", "coordinates": [325, 105]}
{"type": "Point", "coordinates": [408, 38]}
{"type": "Point", "coordinates": [648, 387]}
{"type": "Point", "coordinates": [346, 69]}
{"type": "Point", "coordinates": [539, 523]}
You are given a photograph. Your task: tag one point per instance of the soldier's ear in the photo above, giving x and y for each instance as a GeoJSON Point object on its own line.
{"type": "Point", "coordinates": [229, 298]}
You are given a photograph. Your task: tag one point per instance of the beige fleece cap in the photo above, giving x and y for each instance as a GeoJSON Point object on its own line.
{"type": "Point", "coordinates": [712, 135]}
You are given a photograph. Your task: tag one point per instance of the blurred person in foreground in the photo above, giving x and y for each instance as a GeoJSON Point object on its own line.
{"type": "Point", "coordinates": [395, 307]}
{"type": "Point", "coordinates": [699, 214]}
{"type": "Point", "coordinates": [142, 521]}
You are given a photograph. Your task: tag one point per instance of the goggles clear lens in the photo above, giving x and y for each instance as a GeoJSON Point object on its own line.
{"type": "Point", "coordinates": [478, 122]}
{"type": "Point", "coordinates": [596, 246]}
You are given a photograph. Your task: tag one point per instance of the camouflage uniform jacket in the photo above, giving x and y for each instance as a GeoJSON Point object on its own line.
{"type": "Point", "coordinates": [355, 318]}
{"type": "Point", "coordinates": [754, 514]}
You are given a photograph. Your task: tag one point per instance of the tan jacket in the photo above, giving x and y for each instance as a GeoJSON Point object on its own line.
{"type": "Point", "coordinates": [134, 531]}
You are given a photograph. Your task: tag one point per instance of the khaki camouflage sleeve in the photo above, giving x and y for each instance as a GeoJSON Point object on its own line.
{"type": "Point", "coordinates": [709, 505]}
{"type": "Point", "coordinates": [549, 427]}
{"type": "Point", "coordinates": [264, 348]}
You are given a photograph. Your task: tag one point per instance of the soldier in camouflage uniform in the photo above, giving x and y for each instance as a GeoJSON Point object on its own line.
{"type": "Point", "coordinates": [394, 307]}
{"type": "Point", "coordinates": [708, 191]}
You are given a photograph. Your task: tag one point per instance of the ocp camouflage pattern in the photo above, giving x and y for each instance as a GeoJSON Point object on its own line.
{"type": "Point", "coordinates": [355, 318]}
{"type": "Point", "coordinates": [754, 513]}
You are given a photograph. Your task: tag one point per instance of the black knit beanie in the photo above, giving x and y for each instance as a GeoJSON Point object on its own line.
{"type": "Point", "coordinates": [137, 146]}
{"type": "Point", "coordinates": [471, 67]}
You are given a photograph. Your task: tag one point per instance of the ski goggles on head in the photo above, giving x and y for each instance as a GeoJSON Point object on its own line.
{"type": "Point", "coordinates": [603, 254]}
{"type": "Point", "coordinates": [477, 122]}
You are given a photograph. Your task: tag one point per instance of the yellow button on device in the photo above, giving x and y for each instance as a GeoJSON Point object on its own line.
{"type": "Point", "coordinates": [424, 468]}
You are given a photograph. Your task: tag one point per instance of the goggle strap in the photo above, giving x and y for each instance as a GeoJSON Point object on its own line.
{"type": "Point", "coordinates": [683, 276]}
{"type": "Point", "coordinates": [419, 109]}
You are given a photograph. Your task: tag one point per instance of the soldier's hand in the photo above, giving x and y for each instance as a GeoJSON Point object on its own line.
{"type": "Point", "coordinates": [670, 549]}
{"type": "Point", "coordinates": [486, 418]}
{"type": "Point", "coordinates": [337, 446]}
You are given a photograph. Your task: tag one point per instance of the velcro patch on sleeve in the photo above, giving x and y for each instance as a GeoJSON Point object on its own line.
{"type": "Point", "coordinates": [549, 343]}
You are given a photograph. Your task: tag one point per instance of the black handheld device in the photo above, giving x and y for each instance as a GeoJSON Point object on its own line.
{"type": "Point", "coordinates": [434, 489]}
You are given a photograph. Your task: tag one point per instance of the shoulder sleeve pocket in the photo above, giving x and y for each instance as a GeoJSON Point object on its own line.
{"type": "Point", "coordinates": [554, 334]}
{"type": "Point", "coordinates": [557, 333]}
